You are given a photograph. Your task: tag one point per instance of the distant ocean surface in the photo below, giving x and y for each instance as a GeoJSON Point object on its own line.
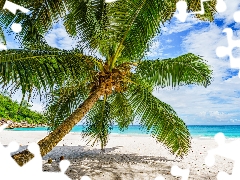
{"type": "Point", "coordinates": [230, 131]}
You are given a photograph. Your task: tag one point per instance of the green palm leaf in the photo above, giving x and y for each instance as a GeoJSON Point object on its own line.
{"type": "Point", "coordinates": [209, 9]}
{"type": "Point", "coordinates": [125, 25]}
{"type": "Point", "coordinates": [183, 70]}
{"type": "Point", "coordinates": [161, 120]}
{"type": "Point", "coordinates": [98, 123]}
{"type": "Point", "coordinates": [63, 101]}
{"type": "Point", "coordinates": [121, 110]}
{"type": "Point", "coordinates": [86, 19]}
{"type": "Point", "coordinates": [123, 29]}
{"type": "Point", "coordinates": [37, 23]}
{"type": "Point", "coordinates": [45, 69]}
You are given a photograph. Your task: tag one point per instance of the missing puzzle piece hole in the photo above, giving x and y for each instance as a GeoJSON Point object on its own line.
{"type": "Point", "coordinates": [236, 16]}
{"type": "Point", "coordinates": [221, 51]}
{"type": "Point", "coordinates": [210, 160]}
{"type": "Point", "coordinates": [182, 11]}
{"type": "Point", "coordinates": [221, 6]}
{"type": "Point", "coordinates": [64, 164]}
{"type": "Point", "coordinates": [13, 146]}
{"type": "Point", "coordinates": [181, 6]}
{"type": "Point", "coordinates": [220, 138]}
{"type": "Point", "coordinates": [13, 8]}
{"type": "Point", "coordinates": [223, 176]}
{"type": "Point", "coordinates": [17, 28]}
{"type": "Point", "coordinates": [176, 171]}
{"type": "Point", "coordinates": [85, 178]}
{"type": "Point", "coordinates": [160, 177]}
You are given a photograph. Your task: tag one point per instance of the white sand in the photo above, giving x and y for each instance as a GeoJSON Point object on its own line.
{"type": "Point", "coordinates": [126, 157]}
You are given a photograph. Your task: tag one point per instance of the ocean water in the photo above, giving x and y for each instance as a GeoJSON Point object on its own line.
{"type": "Point", "coordinates": [204, 131]}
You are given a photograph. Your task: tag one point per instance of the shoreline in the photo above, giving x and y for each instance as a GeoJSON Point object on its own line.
{"type": "Point", "coordinates": [129, 134]}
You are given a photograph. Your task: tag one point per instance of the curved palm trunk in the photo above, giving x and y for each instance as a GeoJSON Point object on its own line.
{"type": "Point", "coordinates": [50, 141]}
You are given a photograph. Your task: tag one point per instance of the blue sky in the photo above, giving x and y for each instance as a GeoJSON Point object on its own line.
{"type": "Point", "coordinates": [217, 104]}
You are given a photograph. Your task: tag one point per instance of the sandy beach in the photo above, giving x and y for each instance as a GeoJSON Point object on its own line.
{"type": "Point", "coordinates": [126, 157]}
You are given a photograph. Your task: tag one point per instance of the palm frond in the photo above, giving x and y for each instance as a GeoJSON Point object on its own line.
{"type": "Point", "coordinates": [62, 102]}
{"type": "Point", "coordinates": [42, 16]}
{"type": "Point", "coordinates": [183, 70]}
{"type": "Point", "coordinates": [87, 20]}
{"type": "Point", "coordinates": [161, 120]}
{"type": "Point", "coordinates": [121, 110]}
{"type": "Point", "coordinates": [43, 69]}
{"type": "Point", "coordinates": [125, 28]}
{"type": "Point", "coordinates": [98, 123]}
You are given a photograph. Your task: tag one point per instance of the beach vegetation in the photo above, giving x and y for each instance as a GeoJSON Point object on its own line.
{"type": "Point", "coordinates": [16, 112]}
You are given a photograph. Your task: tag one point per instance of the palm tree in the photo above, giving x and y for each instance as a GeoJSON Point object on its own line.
{"type": "Point", "coordinates": [115, 88]}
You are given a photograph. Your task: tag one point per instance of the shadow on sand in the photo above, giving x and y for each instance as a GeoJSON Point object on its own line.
{"type": "Point", "coordinates": [108, 165]}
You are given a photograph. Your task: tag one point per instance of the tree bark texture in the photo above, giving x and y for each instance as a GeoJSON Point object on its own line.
{"type": "Point", "coordinates": [50, 141]}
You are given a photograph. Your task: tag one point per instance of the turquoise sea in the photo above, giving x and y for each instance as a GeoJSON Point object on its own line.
{"type": "Point", "coordinates": [230, 131]}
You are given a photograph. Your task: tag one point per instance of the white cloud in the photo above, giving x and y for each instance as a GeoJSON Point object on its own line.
{"type": "Point", "coordinates": [219, 115]}
{"type": "Point", "coordinates": [204, 43]}
{"type": "Point", "coordinates": [176, 26]}
{"type": "Point", "coordinates": [169, 40]}
{"type": "Point", "coordinates": [218, 103]}
{"type": "Point", "coordinates": [59, 38]}
{"type": "Point", "coordinates": [232, 7]}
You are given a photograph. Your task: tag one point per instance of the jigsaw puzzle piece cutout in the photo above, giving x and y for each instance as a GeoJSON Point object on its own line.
{"type": "Point", "coordinates": [33, 166]}
{"type": "Point", "coordinates": [5, 156]}
{"type": "Point", "coordinates": [236, 16]}
{"type": "Point", "coordinates": [176, 171]}
{"type": "Point", "coordinates": [85, 178]}
{"type": "Point", "coordinates": [3, 47]}
{"type": "Point", "coordinates": [6, 169]}
{"type": "Point", "coordinates": [160, 177]}
{"type": "Point", "coordinates": [63, 165]}
{"type": "Point", "coordinates": [3, 127]}
{"type": "Point", "coordinates": [10, 170]}
{"type": "Point", "coordinates": [222, 51]}
{"type": "Point", "coordinates": [202, 11]}
{"type": "Point", "coordinates": [227, 150]}
{"type": "Point", "coordinates": [221, 6]}
{"type": "Point", "coordinates": [223, 176]}
{"type": "Point", "coordinates": [52, 175]}
{"type": "Point", "coordinates": [12, 7]}
{"type": "Point", "coordinates": [182, 9]}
